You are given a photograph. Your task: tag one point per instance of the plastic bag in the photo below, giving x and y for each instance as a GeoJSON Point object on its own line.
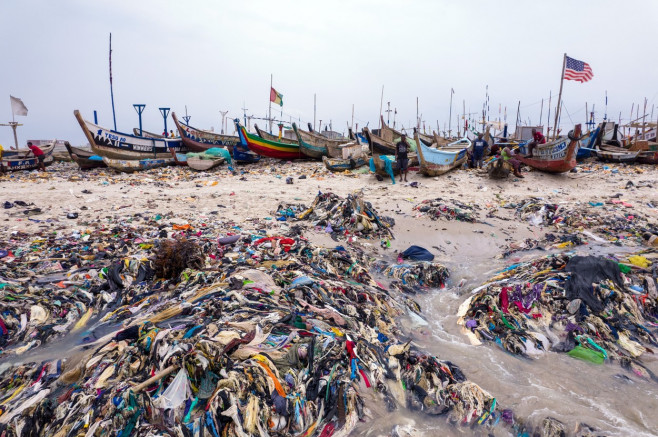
{"type": "Point", "coordinates": [176, 394]}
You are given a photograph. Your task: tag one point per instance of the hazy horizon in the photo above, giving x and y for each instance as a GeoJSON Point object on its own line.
{"type": "Point", "coordinates": [218, 56]}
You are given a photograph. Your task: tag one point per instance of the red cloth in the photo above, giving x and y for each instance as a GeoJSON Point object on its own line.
{"type": "Point", "coordinates": [539, 138]}
{"type": "Point", "coordinates": [37, 151]}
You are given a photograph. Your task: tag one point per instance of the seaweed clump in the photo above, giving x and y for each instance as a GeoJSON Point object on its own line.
{"type": "Point", "coordinates": [172, 257]}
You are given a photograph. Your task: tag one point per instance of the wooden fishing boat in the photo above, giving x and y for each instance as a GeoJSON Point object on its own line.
{"type": "Point", "coordinates": [271, 137]}
{"type": "Point", "coordinates": [608, 153]}
{"type": "Point", "coordinates": [86, 159]}
{"type": "Point", "coordinates": [146, 134]}
{"type": "Point", "coordinates": [133, 165]}
{"type": "Point", "coordinates": [317, 142]}
{"type": "Point", "coordinates": [435, 162]}
{"type": "Point", "coordinates": [337, 164]}
{"type": "Point", "coordinates": [556, 156]}
{"type": "Point", "coordinates": [315, 150]}
{"type": "Point", "coordinates": [263, 147]}
{"type": "Point", "coordinates": [199, 164]}
{"type": "Point", "coordinates": [197, 140]}
{"type": "Point", "coordinates": [24, 159]}
{"type": "Point", "coordinates": [116, 145]}
{"type": "Point", "coordinates": [647, 157]}
{"type": "Point", "coordinates": [588, 143]}
{"type": "Point", "coordinates": [379, 146]}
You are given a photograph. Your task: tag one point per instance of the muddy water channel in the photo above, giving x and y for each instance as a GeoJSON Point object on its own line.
{"type": "Point", "coordinates": [607, 398]}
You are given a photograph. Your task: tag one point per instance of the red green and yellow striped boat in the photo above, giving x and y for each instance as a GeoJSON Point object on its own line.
{"type": "Point", "coordinates": [263, 147]}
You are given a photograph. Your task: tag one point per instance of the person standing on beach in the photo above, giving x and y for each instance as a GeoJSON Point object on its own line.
{"type": "Point", "coordinates": [402, 156]}
{"type": "Point", "coordinates": [38, 153]}
{"type": "Point", "coordinates": [479, 147]}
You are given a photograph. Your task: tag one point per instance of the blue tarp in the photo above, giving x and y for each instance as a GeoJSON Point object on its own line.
{"type": "Point", "coordinates": [417, 253]}
{"type": "Point", "coordinates": [388, 165]}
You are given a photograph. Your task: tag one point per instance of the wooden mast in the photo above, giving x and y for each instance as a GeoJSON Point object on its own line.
{"type": "Point", "coordinates": [559, 97]}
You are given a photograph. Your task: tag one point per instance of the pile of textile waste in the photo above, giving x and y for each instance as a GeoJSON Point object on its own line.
{"type": "Point", "coordinates": [592, 308]}
{"type": "Point", "coordinates": [340, 217]}
{"type": "Point", "coordinates": [439, 208]}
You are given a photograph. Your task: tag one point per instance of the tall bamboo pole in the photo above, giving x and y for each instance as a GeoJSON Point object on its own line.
{"type": "Point", "coordinates": [559, 97]}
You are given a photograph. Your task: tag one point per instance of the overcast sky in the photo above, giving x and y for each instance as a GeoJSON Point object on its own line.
{"type": "Point", "coordinates": [218, 55]}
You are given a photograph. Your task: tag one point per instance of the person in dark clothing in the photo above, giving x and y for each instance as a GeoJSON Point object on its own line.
{"type": "Point", "coordinates": [402, 156]}
{"type": "Point", "coordinates": [479, 147]}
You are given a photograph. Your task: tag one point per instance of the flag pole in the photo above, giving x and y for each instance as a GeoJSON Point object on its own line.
{"type": "Point", "coordinates": [270, 112]}
{"type": "Point", "coordinates": [114, 116]}
{"type": "Point", "coordinates": [559, 97]}
{"type": "Point", "coordinates": [381, 106]}
{"type": "Point", "coordinates": [450, 116]}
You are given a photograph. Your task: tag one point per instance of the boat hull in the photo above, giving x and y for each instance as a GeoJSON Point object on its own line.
{"type": "Point", "coordinates": [82, 157]}
{"type": "Point", "coordinates": [648, 157]}
{"type": "Point", "coordinates": [343, 164]}
{"type": "Point", "coordinates": [204, 164]}
{"type": "Point", "coordinates": [117, 145]}
{"type": "Point", "coordinates": [17, 160]}
{"type": "Point", "coordinates": [133, 165]}
{"type": "Point", "coordinates": [435, 162]}
{"type": "Point", "coordinates": [270, 149]}
{"type": "Point", "coordinates": [558, 156]}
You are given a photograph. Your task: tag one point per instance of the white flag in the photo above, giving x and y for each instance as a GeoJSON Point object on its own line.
{"type": "Point", "coordinates": [17, 106]}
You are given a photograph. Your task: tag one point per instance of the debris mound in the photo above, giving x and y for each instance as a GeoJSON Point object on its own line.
{"type": "Point", "coordinates": [592, 308]}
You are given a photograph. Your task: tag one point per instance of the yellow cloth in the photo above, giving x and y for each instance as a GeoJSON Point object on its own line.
{"type": "Point", "coordinates": [639, 261]}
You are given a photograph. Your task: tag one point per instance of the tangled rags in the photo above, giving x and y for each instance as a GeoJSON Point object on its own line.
{"type": "Point", "coordinates": [340, 217]}
{"type": "Point", "coordinates": [595, 309]}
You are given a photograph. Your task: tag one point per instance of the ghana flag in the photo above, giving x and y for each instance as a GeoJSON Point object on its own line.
{"type": "Point", "coordinates": [276, 97]}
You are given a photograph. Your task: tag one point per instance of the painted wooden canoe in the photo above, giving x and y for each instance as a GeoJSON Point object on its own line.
{"type": "Point", "coordinates": [116, 145]}
{"type": "Point", "coordinates": [319, 142]}
{"type": "Point", "coordinates": [335, 164]}
{"type": "Point", "coordinates": [197, 140]}
{"type": "Point", "coordinates": [588, 143]}
{"type": "Point", "coordinates": [133, 165]}
{"type": "Point", "coordinates": [311, 150]}
{"type": "Point", "coordinates": [556, 156]}
{"type": "Point", "coordinates": [196, 163]}
{"type": "Point", "coordinates": [263, 147]}
{"type": "Point", "coordinates": [24, 159]}
{"type": "Point", "coordinates": [648, 157]}
{"type": "Point", "coordinates": [608, 153]}
{"type": "Point", "coordinates": [86, 159]}
{"type": "Point", "coordinates": [435, 162]}
{"type": "Point", "coordinates": [381, 146]}
{"type": "Point", "coordinates": [271, 137]}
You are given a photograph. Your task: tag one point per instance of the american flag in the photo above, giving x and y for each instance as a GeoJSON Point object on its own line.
{"type": "Point", "coordinates": [577, 70]}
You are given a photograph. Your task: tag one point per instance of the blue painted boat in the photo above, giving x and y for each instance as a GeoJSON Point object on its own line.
{"type": "Point", "coordinates": [132, 165]}
{"type": "Point", "coordinates": [435, 162]}
{"type": "Point", "coordinates": [588, 144]}
{"type": "Point", "coordinates": [117, 145]}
